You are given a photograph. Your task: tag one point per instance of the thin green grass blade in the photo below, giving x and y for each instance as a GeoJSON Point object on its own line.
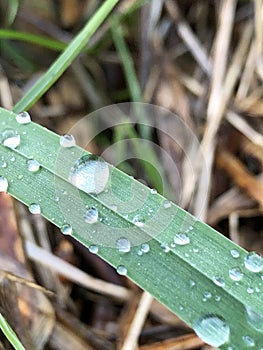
{"type": "Point", "coordinates": [13, 6]}
{"type": "Point", "coordinates": [32, 39]}
{"type": "Point", "coordinates": [10, 334]}
{"type": "Point", "coordinates": [192, 279]}
{"type": "Point", "coordinates": [66, 58]}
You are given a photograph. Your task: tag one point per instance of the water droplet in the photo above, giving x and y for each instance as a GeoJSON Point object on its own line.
{"type": "Point", "coordinates": [195, 250]}
{"type": "Point", "coordinates": [165, 247]}
{"type": "Point", "coordinates": [250, 290]}
{"type": "Point", "coordinates": [181, 238]}
{"type": "Point", "coordinates": [91, 216]}
{"type": "Point", "coordinates": [145, 248]}
{"type": "Point", "coordinates": [94, 249]}
{"type": "Point", "coordinates": [219, 281]}
{"type": "Point", "coordinates": [10, 138]}
{"type": "Point", "coordinates": [33, 166]}
{"type": "Point", "coordinates": [167, 204]}
{"type": "Point", "coordinates": [248, 341]}
{"type": "Point", "coordinates": [212, 329]}
{"type": "Point", "coordinates": [34, 208]}
{"type": "Point", "coordinates": [90, 174]}
{"type": "Point", "coordinates": [3, 184]}
{"type": "Point", "coordinates": [217, 298]}
{"type": "Point", "coordinates": [254, 319]}
{"type": "Point", "coordinates": [12, 158]}
{"type": "Point", "coordinates": [253, 262]}
{"type": "Point", "coordinates": [23, 118]}
{"type": "Point", "coordinates": [121, 270]}
{"type": "Point", "coordinates": [153, 191]}
{"type": "Point", "coordinates": [20, 176]}
{"type": "Point", "coordinates": [123, 245]}
{"type": "Point", "coordinates": [138, 220]}
{"type": "Point", "coordinates": [235, 254]}
{"type": "Point", "coordinates": [236, 274]}
{"type": "Point", "coordinates": [66, 229]}
{"type": "Point", "coordinates": [67, 141]}
{"type": "Point", "coordinates": [192, 283]}
{"type": "Point", "coordinates": [113, 207]}
{"type": "Point", "coordinates": [207, 294]}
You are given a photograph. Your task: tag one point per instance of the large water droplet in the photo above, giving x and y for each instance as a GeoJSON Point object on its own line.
{"type": "Point", "coordinates": [219, 281]}
{"type": "Point", "coordinates": [67, 141]}
{"type": "Point", "coordinates": [235, 254]}
{"type": "Point", "coordinates": [248, 341]}
{"type": "Point", "coordinates": [123, 245]}
{"type": "Point", "coordinates": [254, 319]}
{"type": "Point", "coordinates": [138, 220]}
{"type": "Point", "coordinates": [121, 269]}
{"type": "Point", "coordinates": [23, 118]}
{"type": "Point", "coordinates": [236, 274]}
{"type": "Point", "coordinates": [91, 216]}
{"type": "Point", "coordinates": [33, 166]}
{"type": "Point", "coordinates": [10, 138]}
{"type": "Point", "coordinates": [66, 229]}
{"type": "Point", "coordinates": [253, 262]}
{"type": "Point", "coordinates": [3, 184]}
{"type": "Point", "coordinates": [212, 329]}
{"type": "Point", "coordinates": [34, 208]}
{"type": "Point", "coordinates": [90, 174]}
{"type": "Point", "coordinates": [181, 238]}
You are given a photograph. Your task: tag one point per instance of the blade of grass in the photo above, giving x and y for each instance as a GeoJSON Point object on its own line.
{"type": "Point", "coordinates": [10, 334]}
{"type": "Point", "coordinates": [192, 280]}
{"type": "Point", "coordinates": [32, 39]}
{"type": "Point", "coordinates": [66, 58]}
{"type": "Point", "coordinates": [13, 6]}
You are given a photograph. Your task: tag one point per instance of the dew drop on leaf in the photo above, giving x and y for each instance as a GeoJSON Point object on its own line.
{"type": "Point", "coordinates": [253, 262]}
{"type": "Point", "coordinates": [181, 238]}
{"type": "Point", "coordinates": [123, 245]}
{"type": "Point", "coordinates": [219, 281]}
{"type": "Point", "coordinates": [90, 174]}
{"type": "Point", "coordinates": [23, 118]}
{"type": "Point", "coordinates": [91, 216]}
{"type": "Point", "coordinates": [10, 138]}
{"type": "Point", "coordinates": [248, 341]}
{"type": "Point", "coordinates": [235, 254]}
{"type": "Point", "coordinates": [3, 184]}
{"type": "Point", "coordinates": [33, 166]}
{"type": "Point", "coordinates": [67, 141]}
{"type": "Point", "coordinates": [66, 229]}
{"type": "Point", "coordinates": [138, 220]}
{"type": "Point", "coordinates": [93, 249]}
{"type": "Point", "coordinates": [121, 270]}
{"type": "Point", "coordinates": [254, 319]}
{"type": "Point", "coordinates": [212, 329]}
{"type": "Point", "coordinates": [145, 248]}
{"type": "Point", "coordinates": [34, 208]}
{"type": "Point", "coordinates": [236, 273]}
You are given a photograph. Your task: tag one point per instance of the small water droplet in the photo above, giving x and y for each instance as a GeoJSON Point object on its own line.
{"type": "Point", "coordinates": [207, 294]}
{"type": "Point", "coordinates": [123, 245]}
{"type": "Point", "coordinates": [3, 165]}
{"type": "Point", "coordinates": [66, 229]}
{"type": "Point", "coordinates": [113, 207]}
{"type": "Point", "coordinates": [217, 298]}
{"type": "Point", "coordinates": [90, 174]}
{"type": "Point", "coordinates": [91, 216]}
{"type": "Point", "coordinates": [121, 270]}
{"type": "Point", "coordinates": [192, 283]}
{"type": "Point", "coordinates": [165, 247]}
{"type": "Point", "coordinates": [181, 238]}
{"type": "Point", "coordinates": [219, 281]}
{"type": "Point", "coordinates": [236, 274]}
{"type": "Point", "coordinates": [254, 319]}
{"type": "Point", "coordinates": [167, 204]}
{"type": "Point", "coordinates": [253, 262]}
{"type": "Point", "coordinates": [138, 220]}
{"type": "Point", "coordinates": [20, 177]}
{"type": "Point", "coordinates": [67, 141]}
{"type": "Point", "coordinates": [248, 341]}
{"type": "Point", "coordinates": [195, 250]}
{"type": "Point", "coordinates": [12, 158]}
{"type": "Point", "coordinates": [33, 166]}
{"type": "Point", "coordinates": [153, 191]}
{"type": "Point", "coordinates": [10, 138]}
{"type": "Point", "coordinates": [145, 248]}
{"type": "Point", "coordinates": [212, 329]}
{"type": "Point", "coordinates": [94, 249]}
{"type": "Point", "coordinates": [235, 254]}
{"type": "Point", "coordinates": [34, 208]}
{"type": "Point", "coordinates": [250, 290]}
{"type": "Point", "coordinates": [3, 184]}
{"type": "Point", "coordinates": [23, 118]}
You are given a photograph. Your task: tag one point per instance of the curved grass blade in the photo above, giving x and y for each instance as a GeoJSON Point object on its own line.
{"type": "Point", "coordinates": [193, 280]}
{"type": "Point", "coordinates": [66, 58]}
{"type": "Point", "coordinates": [10, 334]}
